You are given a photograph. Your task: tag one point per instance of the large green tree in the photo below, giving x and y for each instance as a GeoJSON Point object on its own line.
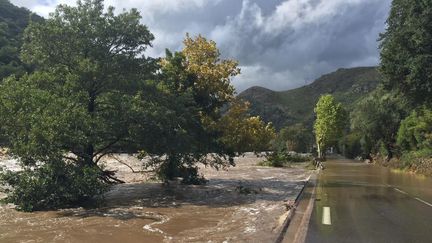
{"type": "Point", "coordinates": [329, 124]}
{"type": "Point", "coordinates": [87, 98]}
{"type": "Point", "coordinates": [94, 60]}
{"type": "Point", "coordinates": [406, 50]}
{"type": "Point", "coordinates": [377, 118]}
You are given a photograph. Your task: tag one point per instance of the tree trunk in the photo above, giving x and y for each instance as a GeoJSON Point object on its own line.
{"type": "Point", "coordinates": [389, 151]}
{"type": "Point", "coordinates": [171, 169]}
{"type": "Point", "coordinates": [89, 150]}
{"type": "Point", "coordinates": [319, 150]}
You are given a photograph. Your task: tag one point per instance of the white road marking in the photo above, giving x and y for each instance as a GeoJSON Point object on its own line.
{"type": "Point", "coordinates": [326, 219]}
{"type": "Point", "coordinates": [400, 191]}
{"type": "Point", "coordinates": [418, 199]}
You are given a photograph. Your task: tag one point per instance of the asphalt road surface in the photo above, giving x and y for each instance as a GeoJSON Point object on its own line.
{"type": "Point", "coordinates": [356, 202]}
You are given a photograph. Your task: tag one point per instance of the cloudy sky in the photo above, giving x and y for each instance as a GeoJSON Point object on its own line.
{"type": "Point", "coordinates": [280, 44]}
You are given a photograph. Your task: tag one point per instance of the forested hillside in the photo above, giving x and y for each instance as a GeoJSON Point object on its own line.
{"type": "Point", "coordinates": [296, 106]}
{"type": "Point", "coordinates": [13, 21]}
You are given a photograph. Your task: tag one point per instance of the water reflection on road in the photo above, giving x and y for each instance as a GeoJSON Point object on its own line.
{"type": "Point", "coordinates": [370, 203]}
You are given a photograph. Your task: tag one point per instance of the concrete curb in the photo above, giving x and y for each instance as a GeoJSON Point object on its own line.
{"type": "Point", "coordinates": [291, 213]}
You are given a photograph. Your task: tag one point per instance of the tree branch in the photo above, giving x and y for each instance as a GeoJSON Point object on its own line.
{"type": "Point", "coordinates": [106, 147]}
{"type": "Point", "coordinates": [71, 158]}
{"type": "Point", "coordinates": [130, 167]}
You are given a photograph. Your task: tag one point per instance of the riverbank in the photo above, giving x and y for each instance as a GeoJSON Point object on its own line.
{"type": "Point", "coordinates": [243, 203]}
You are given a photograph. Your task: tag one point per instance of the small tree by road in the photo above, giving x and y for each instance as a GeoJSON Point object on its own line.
{"type": "Point", "coordinates": [329, 123]}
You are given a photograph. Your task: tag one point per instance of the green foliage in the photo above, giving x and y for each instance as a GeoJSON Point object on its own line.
{"type": "Point", "coordinates": [191, 177]}
{"type": "Point", "coordinates": [13, 21]}
{"type": "Point", "coordinates": [198, 82]}
{"type": "Point", "coordinates": [330, 122]}
{"type": "Point", "coordinates": [296, 138]}
{"type": "Point", "coordinates": [9, 61]}
{"type": "Point", "coordinates": [243, 133]}
{"type": "Point", "coordinates": [351, 145]}
{"type": "Point", "coordinates": [406, 65]}
{"type": "Point", "coordinates": [418, 154]}
{"type": "Point", "coordinates": [283, 159]}
{"type": "Point", "coordinates": [415, 131]}
{"type": "Point", "coordinates": [377, 117]}
{"type": "Point", "coordinates": [406, 53]}
{"type": "Point", "coordinates": [275, 159]}
{"type": "Point", "coordinates": [53, 185]}
{"type": "Point", "coordinates": [419, 161]}
{"type": "Point", "coordinates": [85, 100]}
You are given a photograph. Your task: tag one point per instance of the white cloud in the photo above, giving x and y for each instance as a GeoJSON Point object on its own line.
{"type": "Point", "coordinates": [280, 44]}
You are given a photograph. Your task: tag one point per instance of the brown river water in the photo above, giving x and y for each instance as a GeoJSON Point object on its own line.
{"type": "Point", "coordinates": [243, 203]}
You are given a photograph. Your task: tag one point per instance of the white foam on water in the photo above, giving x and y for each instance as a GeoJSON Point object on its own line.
{"type": "Point", "coordinates": [10, 164]}
{"type": "Point", "coordinates": [162, 220]}
{"type": "Point", "coordinates": [250, 229]}
{"type": "Point", "coordinates": [251, 211]}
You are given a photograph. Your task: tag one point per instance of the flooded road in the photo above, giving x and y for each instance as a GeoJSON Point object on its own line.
{"type": "Point", "coordinates": [356, 202]}
{"type": "Point", "coordinates": [243, 203]}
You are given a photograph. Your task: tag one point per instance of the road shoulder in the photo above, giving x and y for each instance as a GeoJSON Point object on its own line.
{"type": "Point", "coordinates": [298, 224]}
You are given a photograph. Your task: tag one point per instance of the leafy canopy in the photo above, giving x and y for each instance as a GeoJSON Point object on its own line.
{"type": "Point", "coordinates": [216, 125]}
{"type": "Point", "coordinates": [242, 132]}
{"type": "Point", "coordinates": [377, 118]}
{"type": "Point", "coordinates": [90, 65]}
{"type": "Point", "coordinates": [415, 131]}
{"type": "Point", "coordinates": [296, 138]}
{"type": "Point", "coordinates": [330, 122]}
{"type": "Point", "coordinates": [84, 100]}
{"type": "Point", "coordinates": [406, 50]}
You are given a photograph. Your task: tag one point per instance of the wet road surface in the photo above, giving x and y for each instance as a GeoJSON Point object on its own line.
{"type": "Point", "coordinates": [356, 202]}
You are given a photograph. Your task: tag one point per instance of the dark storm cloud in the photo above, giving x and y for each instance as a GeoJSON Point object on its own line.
{"type": "Point", "coordinates": [301, 40]}
{"type": "Point", "coordinates": [279, 44]}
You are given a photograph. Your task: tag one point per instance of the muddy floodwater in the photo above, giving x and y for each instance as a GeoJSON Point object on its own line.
{"type": "Point", "coordinates": [242, 203]}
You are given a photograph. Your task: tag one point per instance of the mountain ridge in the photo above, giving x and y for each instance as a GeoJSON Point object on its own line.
{"type": "Point", "coordinates": [293, 106]}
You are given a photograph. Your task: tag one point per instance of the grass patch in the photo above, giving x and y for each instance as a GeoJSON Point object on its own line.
{"type": "Point", "coordinates": [419, 162]}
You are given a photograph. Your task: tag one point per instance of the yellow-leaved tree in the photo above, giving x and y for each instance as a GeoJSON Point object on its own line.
{"type": "Point", "coordinates": [243, 132]}
{"type": "Point", "coordinates": [218, 125]}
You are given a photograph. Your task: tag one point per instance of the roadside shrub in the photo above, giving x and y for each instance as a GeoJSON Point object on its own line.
{"type": "Point", "coordinates": [297, 158]}
{"type": "Point", "coordinates": [282, 159]}
{"type": "Point", "coordinates": [419, 161]}
{"type": "Point", "coordinates": [53, 185]}
{"type": "Point", "coordinates": [415, 132]}
{"type": "Point", "coordinates": [275, 159]}
{"type": "Point", "coordinates": [175, 166]}
{"type": "Point", "coordinates": [413, 155]}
